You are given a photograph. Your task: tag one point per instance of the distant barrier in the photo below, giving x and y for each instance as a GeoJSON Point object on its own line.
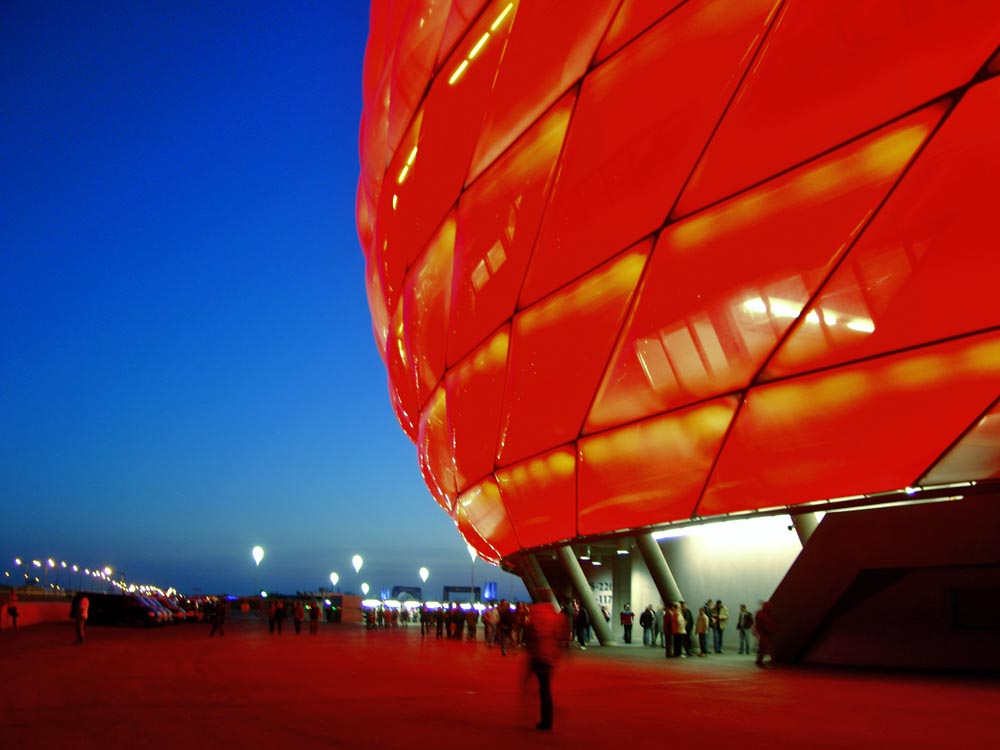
{"type": "Point", "coordinates": [34, 612]}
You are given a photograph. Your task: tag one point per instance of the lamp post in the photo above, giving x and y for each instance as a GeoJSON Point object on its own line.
{"type": "Point", "coordinates": [257, 553]}
{"type": "Point", "coordinates": [357, 561]}
{"type": "Point", "coordinates": [364, 589]}
{"type": "Point", "coordinates": [472, 572]}
{"type": "Point", "coordinates": [334, 579]}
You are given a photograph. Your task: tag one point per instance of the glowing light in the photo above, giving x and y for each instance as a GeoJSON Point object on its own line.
{"type": "Point", "coordinates": [424, 573]}
{"type": "Point", "coordinates": [411, 157]}
{"type": "Point", "coordinates": [458, 72]}
{"type": "Point", "coordinates": [472, 552]}
{"type": "Point", "coordinates": [258, 554]}
{"type": "Point", "coordinates": [107, 570]}
{"type": "Point", "coordinates": [503, 15]}
{"type": "Point", "coordinates": [479, 45]}
{"type": "Point", "coordinates": [402, 173]}
{"type": "Point", "coordinates": [334, 579]}
{"type": "Point", "coordinates": [357, 561]}
{"type": "Point", "coordinates": [364, 588]}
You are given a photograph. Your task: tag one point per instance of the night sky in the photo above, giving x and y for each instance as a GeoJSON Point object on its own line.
{"type": "Point", "coordinates": [187, 367]}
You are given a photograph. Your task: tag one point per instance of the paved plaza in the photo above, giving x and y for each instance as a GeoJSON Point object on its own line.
{"type": "Point", "coordinates": [346, 687]}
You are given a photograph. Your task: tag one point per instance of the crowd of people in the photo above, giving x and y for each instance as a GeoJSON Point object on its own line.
{"type": "Point", "coordinates": [674, 628]}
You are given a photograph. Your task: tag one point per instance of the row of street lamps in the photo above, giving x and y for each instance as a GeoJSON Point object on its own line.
{"type": "Point", "coordinates": [49, 564]}
{"type": "Point", "coordinates": [357, 561]}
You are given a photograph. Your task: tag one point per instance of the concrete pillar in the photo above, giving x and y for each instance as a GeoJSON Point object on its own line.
{"type": "Point", "coordinates": [652, 555]}
{"type": "Point", "coordinates": [586, 596]}
{"type": "Point", "coordinates": [805, 524]}
{"type": "Point", "coordinates": [536, 582]}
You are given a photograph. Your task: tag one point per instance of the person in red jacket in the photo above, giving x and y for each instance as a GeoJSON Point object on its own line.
{"type": "Point", "coordinates": [627, 617]}
{"type": "Point", "coordinates": [543, 634]}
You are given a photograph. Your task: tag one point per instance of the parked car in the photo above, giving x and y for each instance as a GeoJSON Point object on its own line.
{"type": "Point", "coordinates": [179, 615]}
{"type": "Point", "coordinates": [121, 610]}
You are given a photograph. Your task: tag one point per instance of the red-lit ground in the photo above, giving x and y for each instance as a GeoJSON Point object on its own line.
{"type": "Point", "coordinates": [177, 688]}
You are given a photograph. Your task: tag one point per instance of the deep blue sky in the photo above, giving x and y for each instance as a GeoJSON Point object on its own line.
{"type": "Point", "coordinates": [186, 360]}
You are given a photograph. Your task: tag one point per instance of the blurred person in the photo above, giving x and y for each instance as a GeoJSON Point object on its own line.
{"type": "Point", "coordinates": [272, 616]}
{"type": "Point", "coordinates": [505, 626]}
{"type": "Point", "coordinates": [766, 627]}
{"type": "Point", "coordinates": [658, 626]}
{"type": "Point", "coordinates": [701, 630]}
{"type": "Point", "coordinates": [719, 617]}
{"type": "Point", "coordinates": [626, 618]}
{"type": "Point", "coordinates": [744, 622]}
{"type": "Point", "coordinates": [677, 631]}
{"type": "Point", "coordinates": [82, 612]}
{"type": "Point", "coordinates": [688, 627]}
{"type": "Point", "coordinates": [298, 616]}
{"type": "Point", "coordinates": [543, 633]}
{"type": "Point", "coordinates": [490, 619]}
{"type": "Point", "coordinates": [218, 617]}
{"type": "Point", "coordinates": [581, 621]}
{"type": "Point", "coordinates": [314, 617]}
{"type": "Point", "coordinates": [646, 623]}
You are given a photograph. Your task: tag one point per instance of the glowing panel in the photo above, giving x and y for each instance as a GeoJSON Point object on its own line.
{"type": "Point", "coordinates": [633, 17]}
{"type": "Point", "coordinates": [652, 471]}
{"type": "Point", "coordinates": [541, 62]}
{"type": "Point", "coordinates": [724, 286]}
{"type": "Point", "coordinates": [828, 72]}
{"type": "Point", "coordinates": [437, 463]}
{"type": "Point", "coordinates": [926, 267]}
{"type": "Point", "coordinates": [870, 427]}
{"type": "Point", "coordinates": [475, 394]}
{"type": "Point", "coordinates": [556, 362]}
{"type": "Point", "coordinates": [637, 261]}
{"type": "Point", "coordinates": [540, 495]}
{"type": "Point", "coordinates": [426, 310]}
{"type": "Point", "coordinates": [497, 223]}
{"type": "Point", "coordinates": [636, 175]}
{"type": "Point", "coordinates": [484, 509]}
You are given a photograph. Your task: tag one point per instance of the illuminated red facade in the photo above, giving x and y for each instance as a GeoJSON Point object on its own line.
{"type": "Point", "coordinates": [632, 263]}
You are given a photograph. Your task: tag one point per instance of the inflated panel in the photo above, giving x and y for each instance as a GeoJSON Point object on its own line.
{"type": "Point", "coordinates": [483, 507]}
{"type": "Point", "coordinates": [556, 357]}
{"type": "Point", "coordinates": [540, 495]}
{"type": "Point", "coordinates": [426, 310]}
{"type": "Point", "coordinates": [633, 18]}
{"type": "Point", "coordinates": [497, 223]}
{"type": "Point", "coordinates": [434, 451]}
{"type": "Point", "coordinates": [874, 426]}
{"type": "Point", "coordinates": [927, 266]}
{"type": "Point", "coordinates": [658, 133]}
{"type": "Point", "coordinates": [541, 62]}
{"type": "Point", "coordinates": [723, 287]}
{"type": "Point", "coordinates": [649, 472]}
{"type": "Point", "coordinates": [475, 395]}
{"type": "Point", "coordinates": [830, 71]}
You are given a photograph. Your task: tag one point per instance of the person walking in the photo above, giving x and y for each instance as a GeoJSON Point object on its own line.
{"type": "Point", "coordinates": [744, 622]}
{"type": "Point", "coordinates": [766, 626]}
{"type": "Point", "coordinates": [12, 609]}
{"type": "Point", "coordinates": [646, 623]}
{"type": "Point", "coordinates": [82, 612]}
{"type": "Point", "coordinates": [314, 618]}
{"type": "Point", "coordinates": [298, 616]}
{"type": "Point", "coordinates": [627, 617]}
{"type": "Point", "coordinates": [542, 636]}
{"type": "Point", "coordinates": [581, 621]}
{"type": "Point", "coordinates": [218, 618]}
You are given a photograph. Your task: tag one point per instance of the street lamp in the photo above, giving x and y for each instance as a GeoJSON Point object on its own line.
{"type": "Point", "coordinates": [423, 574]}
{"type": "Point", "coordinates": [257, 553]}
{"type": "Point", "coordinates": [334, 579]}
{"type": "Point", "coordinates": [357, 561]}
{"type": "Point", "coordinates": [472, 573]}
{"type": "Point", "coordinates": [364, 589]}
